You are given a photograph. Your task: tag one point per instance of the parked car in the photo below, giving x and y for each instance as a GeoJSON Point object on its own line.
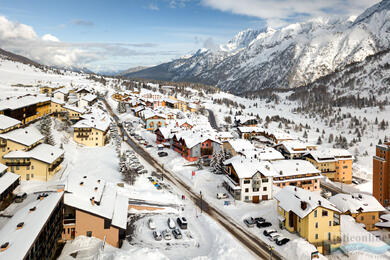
{"type": "Point", "coordinates": [20, 197]}
{"type": "Point", "coordinates": [167, 234]}
{"type": "Point", "coordinates": [143, 172]}
{"type": "Point", "coordinates": [162, 154]}
{"type": "Point", "coordinates": [150, 178]}
{"type": "Point", "coordinates": [249, 222]}
{"type": "Point", "coordinates": [263, 224]}
{"type": "Point", "coordinates": [281, 240]}
{"type": "Point", "coordinates": [177, 234]}
{"type": "Point", "coordinates": [259, 219]}
{"type": "Point", "coordinates": [222, 196]}
{"type": "Point", "coordinates": [171, 223]}
{"type": "Point", "coordinates": [149, 146]}
{"type": "Point", "coordinates": [273, 236]}
{"type": "Point", "coordinates": [158, 187]}
{"type": "Point", "coordinates": [182, 222]}
{"type": "Point", "coordinates": [151, 224]}
{"type": "Point", "coordinates": [268, 232]}
{"type": "Point", "coordinates": [157, 235]}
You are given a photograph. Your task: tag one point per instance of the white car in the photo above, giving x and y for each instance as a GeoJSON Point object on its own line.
{"type": "Point", "coordinates": [167, 234]}
{"type": "Point", "coordinates": [273, 236]}
{"type": "Point", "coordinates": [171, 223]}
{"type": "Point", "coordinates": [222, 196]}
{"type": "Point", "coordinates": [151, 224]}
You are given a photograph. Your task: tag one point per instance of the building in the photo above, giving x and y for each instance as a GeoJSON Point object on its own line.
{"type": "Point", "coordinates": [87, 100]}
{"type": "Point", "coordinates": [294, 149]}
{"type": "Point", "coordinates": [81, 92]}
{"type": "Point", "coordinates": [163, 135]}
{"type": "Point", "coordinates": [336, 164]}
{"type": "Point", "coordinates": [91, 131]}
{"type": "Point", "coordinates": [381, 174]}
{"type": "Point", "coordinates": [224, 136]}
{"type": "Point", "coordinates": [34, 229]}
{"type": "Point", "coordinates": [250, 121]}
{"type": "Point", "coordinates": [298, 173]}
{"type": "Point", "coordinates": [57, 108]}
{"type": "Point", "coordinates": [49, 89]}
{"type": "Point", "coordinates": [153, 120]}
{"type": "Point", "coordinates": [8, 183]}
{"type": "Point", "coordinates": [310, 216]}
{"type": "Point", "coordinates": [8, 124]}
{"type": "Point", "coordinates": [363, 208]}
{"type": "Point", "coordinates": [277, 136]}
{"type": "Point", "coordinates": [248, 180]}
{"type": "Point", "coordinates": [249, 132]}
{"type": "Point", "coordinates": [39, 163]}
{"type": "Point", "coordinates": [73, 113]}
{"type": "Point", "coordinates": [262, 154]}
{"type": "Point", "coordinates": [61, 94]}
{"type": "Point", "coordinates": [93, 208]}
{"type": "Point", "coordinates": [232, 147]}
{"type": "Point", "coordinates": [26, 108]}
{"type": "Point", "coordinates": [20, 139]}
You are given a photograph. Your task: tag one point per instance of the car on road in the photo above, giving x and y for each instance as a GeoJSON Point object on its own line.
{"type": "Point", "coordinates": [167, 234]}
{"type": "Point", "coordinates": [273, 236]}
{"type": "Point", "coordinates": [263, 224]}
{"type": "Point", "coordinates": [259, 219]}
{"type": "Point", "coordinates": [171, 223]}
{"type": "Point", "coordinates": [268, 232]}
{"type": "Point", "coordinates": [281, 240]}
{"type": "Point", "coordinates": [143, 172]}
{"type": "Point", "coordinates": [177, 233]}
{"type": "Point", "coordinates": [250, 222]}
{"type": "Point", "coordinates": [20, 197]}
{"type": "Point", "coordinates": [151, 224]}
{"type": "Point", "coordinates": [157, 235]}
{"type": "Point", "coordinates": [182, 222]}
{"type": "Point", "coordinates": [162, 154]}
{"type": "Point", "coordinates": [149, 146]}
{"type": "Point", "coordinates": [222, 196]}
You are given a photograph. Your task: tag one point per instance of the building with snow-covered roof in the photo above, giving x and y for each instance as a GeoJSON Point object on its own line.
{"type": "Point", "coordinates": [74, 113]}
{"type": "Point", "coordinates": [310, 216]}
{"type": "Point", "coordinates": [19, 139]}
{"type": "Point", "coordinates": [363, 208]}
{"type": "Point", "coordinates": [277, 135]}
{"type": "Point", "coordinates": [25, 108]}
{"type": "Point", "coordinates": [8, 183]}
{"type": "Point", "coordinates": [61, 94]}
{"type": "Point", "coordinates": [93, 208]}
{"type": "Point", "coordinates": [39, 163]}
{"type": "Point", "coordinates": [49, 89]}
{"type": "Point", "coordinates": [299, 173]}
{"type": "Point", "coordinates": [262, 154]}
{"type": "Point", "coordinates": [153, 120]}
{"type": "Point", "coordinates": [294, 149]}
{"type": "Point", "coordinates": [336, 164]}
{"type": "Point", "coordinates": [87, 100]}
{"type": "Point", "coordinates": [8, 123]}
{"type": "Point", "coordinates": [83, 91]}
{"type": "Point", "coordinates": [34, 229]}
{"type": "Point", "coordinates": [232, 147]}
{"type": "Point", "coordinates": [224, 136]}
{"type": "Point", "coordinates": [248, 180]}
{"type": "Point", "coordinates": [92, 131]}
{"type": "Point", "coordinates": [249, 132]}
{"type": "Point", "coordinates": [250, 121]}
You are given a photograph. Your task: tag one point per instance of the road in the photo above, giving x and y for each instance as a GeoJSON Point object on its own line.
{"type": "Point", "coordinates": [249, 240]}
{"type": "Point", "coordinates": [212, 120]}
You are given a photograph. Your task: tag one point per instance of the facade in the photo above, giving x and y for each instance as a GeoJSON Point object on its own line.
{"type": "Point", "coordinates": [8, 124]}
{"type": "Point", "coordinates": [8, 183]}
{"type": "Point", "coordinates": [249, 132]}
{"type": "Point", "coordinates": [250, 121]}
{"type": "Point", "coordinates": [49, 89]}
{"type": "Point", "coordinates": [298, 173]}
{"type": "Point", "coordinates": [163, 135]}
{"type": "Point", "coordinates": [34, 229]}
{"type": "Point", "coordinates": [73, 113]}
{"type": "Point", "coordinates": [61, 94]}
{"type": "Point", "coordinates": [247, 180]}
{"type": "Point", "coordinates": [310, 216]}
{"type": "Point", "coordinates": [93, 208]}
{"type": "Point", "coordinates": [155, 121]}
{"type": "Point", "coordinates": [336, 164]}
{"type": "Point", "coordinates": [56, 108]}
{"type": "Point", "coordinates": [381, 174]}
{"type": "Point", "coordinates": [233, 147]}
{"type": "Point", "coordinates": [363, 208]}
{"type": "Point", "coordinates": [87, 100]}
{"type": "Point", "coordinates": [39, 163]}
{"type": "Point", "coordinates": [91, 132]}
{"type": "Point", "coordinates": [294, 149]}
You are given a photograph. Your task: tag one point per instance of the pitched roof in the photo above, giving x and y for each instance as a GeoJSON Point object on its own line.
{"type": "Point", "coordinates": [43, 152]}
{"type": "Point", "coordinates": [22, 101]}
{"type": "Point", "coordinates": [246, 168]}
{"type": "Point", "coordinates": [331, 154]}
{"type": "Point", "coordinates": [240, 145]}
{"type": "Point", "coordinates": [290, 199]}
{"type": "Point", "coordinates": [26, 136]}
{"type": "Point", "coordinates": [356, 203]}
{"type": "Point", "coordinates": [294, 167]}
{"type": "Point", "coordinates": [7, 122]}
{"type": "Point", "coordinates": [7, 180]}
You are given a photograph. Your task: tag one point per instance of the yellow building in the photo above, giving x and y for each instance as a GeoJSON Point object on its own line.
{"type": "Point", "coordinates": [20, 139]}
{"type": "Point", "coordinates": [91, 132]}
{"type": "Point", "coordinates": [363, 208]}
{"type": "Point", "coordinates": [39, 163]}
{"type": "Point", "coordinates": [56, 107]}
{"type": "Point", "coordinates": [8, 124]}
{"type": "Point", "coordinates": [74, 113]}
{"type": "Point", "coordinates": [336, 164]}
{"type": "Point", "coordinates": [310, 216]}
{"type": "Point", "coordinates": [49, 89]}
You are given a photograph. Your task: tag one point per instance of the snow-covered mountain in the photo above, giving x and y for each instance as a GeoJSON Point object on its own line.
{"type": "Point", "coordinates": [289, 57]}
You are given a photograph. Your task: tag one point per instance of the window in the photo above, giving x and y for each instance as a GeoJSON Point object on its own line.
{"type": "Point", "coordinates": [246, 190]}
{"type": "Point", "coordinates": [316, 236]}
{"type": "Point", "coordinates": [330, 223]}
{"type": "Point", "coordinates": [316, 224]}
{"type": "Point", "coordinates": [315, 213]}
{"type": "Point", "coordinates": [89, 233]}
{"type": "Point", "coordinates": [247, 181]}
{"type": "Point", "coordinates": [336, 219]}
{"type": "Point", "coordinates": [373, 217]}
{"type": "Point", "coordinates": [246, 198]}
{"type": "Point", "coordinates": [255, 189]}
{"type": "Point", "coordinates": [107, 223]}
{"type": "Point", "coordinates": [329, 236]}
{"type": "Point", "coordinates": [362, 218]}
{"type": "Point", "coordinates": [264, 188]}
{"type": "Point", "coordinates": [324, 213]}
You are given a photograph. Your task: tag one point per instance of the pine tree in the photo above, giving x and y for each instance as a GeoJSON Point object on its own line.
{"type": "Point", "coordinates": [319, 141]}
{"type": "Point", "coordinates": [305, 134]}
{"type": "Point", "coordinates": [45, 128]}
{"type": "Point", "coordinates": [330, 139]}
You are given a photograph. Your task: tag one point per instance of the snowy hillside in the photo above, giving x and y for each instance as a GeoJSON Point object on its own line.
{"type": "Point", "coordinates": [285, 58]}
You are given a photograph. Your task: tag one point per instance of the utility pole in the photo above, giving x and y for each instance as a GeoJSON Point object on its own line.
{"type": "Point", "coordinates": [270, 248]}
{"type": "Point", "coordinates": [201, 197]}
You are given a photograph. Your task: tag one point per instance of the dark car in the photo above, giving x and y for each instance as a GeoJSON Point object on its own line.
{"type": "Point", "coordinates": [259, 219]}
{"type": "Point", "coordinates": [182, 222]}
{"type": "Point", "coordinates": [268, 232]}
{"type": "Point", "coordinates": [162, 154]}
{"type": "Point", "coordinates": [249, 222]}
{"type": "Point", "coordinates": [20, 197]}
{"type": "Point", "coordinates": [263, 224]}
{"type": "Point", "coordinates": [177, 234]}
{"type": "Point", "coordinates": [281, 240]}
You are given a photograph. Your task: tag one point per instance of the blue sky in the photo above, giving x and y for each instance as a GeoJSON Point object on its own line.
{"type": "Point", "coordinates": [105, 35]}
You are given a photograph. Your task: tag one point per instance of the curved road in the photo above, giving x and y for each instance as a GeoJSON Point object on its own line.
{"type": "Point", "coordinates": [212, 120]}
{"type": "Point", "coordinates": [249, 240]}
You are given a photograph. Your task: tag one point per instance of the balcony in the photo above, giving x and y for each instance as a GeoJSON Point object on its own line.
{"type": "Point", "coordinates": [3, 145]}
{"type": "Point", "coordinates": [22, 163]}
{"type": "Point", "coordinates": [55, 165]}
{"type": "Point", "coordinates": [82, 135]}
{"type": "Point", "coordinates": [80, 130]}
{"type": "Point", "coordinates": [69, 221]}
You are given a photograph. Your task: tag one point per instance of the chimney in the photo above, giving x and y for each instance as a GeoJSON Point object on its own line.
{"type": "Point", "coordinates": [81, 183]}
{"type": "Point", "coordinates": [20, 225]}
{"type": "Point", "coordinates": [319, 203]}
{"type": "Point", "coordinates": [96, 188]}
{"type": "Point", "coordinates": [303, 205]}
{"type": "Point", "coordinates": [33, 209]}
{"type": "Point", "coordinates": [93, 201]}
{"type": "Point", "coordinates": [4, 246]}
{"type": "Point", "coordinates": [98, 181]}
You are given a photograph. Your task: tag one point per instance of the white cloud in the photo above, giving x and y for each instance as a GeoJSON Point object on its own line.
{"type": "Point", "coordinates": [278, 13]}
{"type": "Point", "coordinates": [153, 7]}
{"type": "Point", "coordinates": [49, 50]}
